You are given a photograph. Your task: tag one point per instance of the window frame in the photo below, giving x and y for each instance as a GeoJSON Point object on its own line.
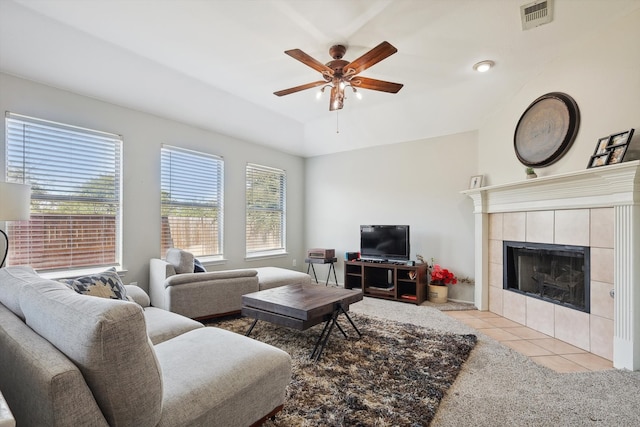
{"type": "Point", "coordinates": [103, 195]}
{"type": "Point", "coordinates": [202, 158]}
{"type": "Point", "coordinates": [250, 171]}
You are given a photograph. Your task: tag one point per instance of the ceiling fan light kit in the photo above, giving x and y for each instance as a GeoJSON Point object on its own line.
{"type": "Point", "coordinates": [340, 74]}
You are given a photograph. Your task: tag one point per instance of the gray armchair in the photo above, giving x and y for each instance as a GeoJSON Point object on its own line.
{"type": "Point", "coordinates": [173, 286]}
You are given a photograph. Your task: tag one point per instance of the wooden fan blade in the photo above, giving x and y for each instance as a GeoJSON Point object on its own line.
{"type": "Point", "coordinates": [375, 55]}
{"type": "Point", "coordinates": [299, 88]}
{"type": "Point", "coordinates": [309, 61]}
{"type": "Point", "coordinates": [374, 84]}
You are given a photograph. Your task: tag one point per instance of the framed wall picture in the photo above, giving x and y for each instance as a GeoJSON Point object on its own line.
{"type": "Point", "coordinates": [599, 160]}
{"type": "Point", "coordinates": [621, 138]}
{"type": "Point", "coordinates": [476, 181]}
{"type": "Point", "coordinates": [617, 154]}
{"type": "Point", "coordinates": [601, 147]}
{"type": "Point", "coordinates": [611, 149]}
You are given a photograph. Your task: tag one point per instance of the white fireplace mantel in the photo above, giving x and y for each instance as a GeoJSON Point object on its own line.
{"type": "Point", "coordinates": [597, 187]}
{"type": "Point", "coordinates": [616, 186]}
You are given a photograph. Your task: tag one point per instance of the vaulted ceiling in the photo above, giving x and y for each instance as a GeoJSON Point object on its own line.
{"type": "Point", "coordinates": [215, 64]}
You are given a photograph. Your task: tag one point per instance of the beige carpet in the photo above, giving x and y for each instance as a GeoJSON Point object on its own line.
{"type": "Point", "coordinates": [500, 387]}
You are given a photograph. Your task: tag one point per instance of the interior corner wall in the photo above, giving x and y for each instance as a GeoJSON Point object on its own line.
{"type": "Point", "coordinates": [143, 135]}
{"type": "Point", "coordinates": [416, 183]}
{"type": "Point", "coordinates": [602, 74]}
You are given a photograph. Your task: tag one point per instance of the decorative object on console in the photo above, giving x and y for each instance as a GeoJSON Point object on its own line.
{"type": "Point", "coordinates": [546, 129]}
{"type": "Point", "coordinates": [351, 255]}
{"type": "Point", "coordinates": [321, 253]}
{"type": "Point", "coordinates": [611, 149]}
{"type": "Point", "coordinates": [15, 205]}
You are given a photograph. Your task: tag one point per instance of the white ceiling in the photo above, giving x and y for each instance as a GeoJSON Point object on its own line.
{"type": "Point", "coordinates": [215, 64]}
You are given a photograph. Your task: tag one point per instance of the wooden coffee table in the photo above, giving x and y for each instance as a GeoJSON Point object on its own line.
{"type": "Point", "coordinates": [301, 307]}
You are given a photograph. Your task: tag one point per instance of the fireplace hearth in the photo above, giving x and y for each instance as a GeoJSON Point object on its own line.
{"type": "Point", "coordinates": [559, 274]}
{"type": "Point", "coordinates": [595, 207]}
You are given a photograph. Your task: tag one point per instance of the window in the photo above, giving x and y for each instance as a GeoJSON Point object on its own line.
{"type": "Point", "coordinates": [265, 228]}
{"type": "Point", "coordinates": [192, 196]}
{"type": "Point", "coordinates": [75, 194]}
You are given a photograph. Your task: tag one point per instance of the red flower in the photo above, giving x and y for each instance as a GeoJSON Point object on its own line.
{"type": "Point", "coordinates": [442, 276]}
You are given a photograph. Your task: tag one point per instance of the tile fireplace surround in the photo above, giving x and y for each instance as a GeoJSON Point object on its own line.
{"type": "Point", "coordinates": [599, 208]}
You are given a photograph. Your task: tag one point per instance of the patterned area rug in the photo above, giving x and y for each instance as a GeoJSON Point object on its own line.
{"type": "Point", "coordinates": [395, 375]}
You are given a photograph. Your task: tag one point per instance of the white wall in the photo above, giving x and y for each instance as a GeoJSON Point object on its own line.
{"type": "Point", "coordinates": [415, 183]}
{"type": "Point", "coordinates": [418, 183]}
{"type": "Point", "coordinates": [143, 136]}
{"type": "Point", "coordinates": [602, 75]}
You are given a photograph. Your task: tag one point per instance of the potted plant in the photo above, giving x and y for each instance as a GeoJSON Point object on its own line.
{"type": "Point", "coordinates": [440, 278]}
{"type": "Point", "coordinates": [531, 173]}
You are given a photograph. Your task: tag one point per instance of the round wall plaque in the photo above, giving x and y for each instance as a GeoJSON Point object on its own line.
{"type": "Point", "coordinates": [546, 129]}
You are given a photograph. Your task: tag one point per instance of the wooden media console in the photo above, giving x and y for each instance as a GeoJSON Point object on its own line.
{"type": "Point", "coordinates": [392, 281]}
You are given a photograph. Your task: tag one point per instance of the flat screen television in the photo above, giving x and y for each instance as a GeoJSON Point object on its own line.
{"type": "Point", "coordinates": [384, 242]}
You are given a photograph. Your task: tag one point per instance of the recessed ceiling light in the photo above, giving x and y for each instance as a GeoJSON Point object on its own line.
{"type": "Point", "coordinates": [483, 66]}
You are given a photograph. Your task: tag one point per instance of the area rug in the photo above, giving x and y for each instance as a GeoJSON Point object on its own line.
{"type": "Point", "coordinates": [395, 375]}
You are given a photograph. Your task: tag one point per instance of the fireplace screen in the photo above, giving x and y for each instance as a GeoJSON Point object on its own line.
{"type": "Point", "coordinates": [554, 273]}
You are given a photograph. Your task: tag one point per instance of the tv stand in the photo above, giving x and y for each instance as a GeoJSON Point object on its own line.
{"type": "Point", "coordinates": [387, 280]}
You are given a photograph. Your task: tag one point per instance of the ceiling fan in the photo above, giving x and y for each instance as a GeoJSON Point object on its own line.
{"type": "Point", "coordinates": [340, 74]}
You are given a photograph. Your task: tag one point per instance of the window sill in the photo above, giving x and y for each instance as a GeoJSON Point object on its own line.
{"type": "Point", "coordinates": [207, 261]}
{"type": "Point", "coordinates": [266, 255]}
{"type": "Point", "coordinates": [70, 274]}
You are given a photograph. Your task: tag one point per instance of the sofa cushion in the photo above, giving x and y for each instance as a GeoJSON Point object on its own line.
{"type": "Point", "coordinates": [137, 295]}
{"type": "Point", "coordinates": [237, 382]}
{"type": "Point", "coordinates": [273, 277]}
{"type": "Point", "coordinates": [162, 325]}
{"type": "Point", "coordinates": [180, 279]}
{"type": "Point", "coordinates": [12, 279]}
{"type": "Point", "coordinates": [107, 340]}
{"type": "Point", "coordinates": [181, 260]}
{"type": "Point", "coordinates": [105, 285]}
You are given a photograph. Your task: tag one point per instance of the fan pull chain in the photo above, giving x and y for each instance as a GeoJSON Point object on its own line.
{"type": "Point", "coordinates": [337, 123]}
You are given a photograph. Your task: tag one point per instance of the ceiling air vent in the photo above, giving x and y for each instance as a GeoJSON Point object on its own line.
{"type": "Point", "coordinates": [536, 14]}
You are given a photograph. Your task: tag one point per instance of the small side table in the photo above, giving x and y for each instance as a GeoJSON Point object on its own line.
{"type": "Point", "coordinates": [329, 261]}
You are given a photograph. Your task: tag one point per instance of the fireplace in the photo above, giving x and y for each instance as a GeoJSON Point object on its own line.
{"type": "Point", "coordinates": [596, 208]}
{"type": "Point", "coordinates": [559, 274]}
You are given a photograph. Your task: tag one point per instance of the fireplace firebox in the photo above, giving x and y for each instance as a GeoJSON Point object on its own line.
{"type": "Point", "coordinates": [559, 274]}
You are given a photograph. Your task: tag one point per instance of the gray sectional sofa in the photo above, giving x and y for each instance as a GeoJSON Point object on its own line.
{"type": "Point", "coordinates": [68, 359]}
{"type": "Point", "coordinates": [174, 286]}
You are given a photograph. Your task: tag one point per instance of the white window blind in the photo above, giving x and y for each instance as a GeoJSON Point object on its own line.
{"type": "Point", "coordinates": [192, 202]}
{"type": "Point", "coordinates": [74, 175]}
{"type": "Point", "coordinates": [265, 223]}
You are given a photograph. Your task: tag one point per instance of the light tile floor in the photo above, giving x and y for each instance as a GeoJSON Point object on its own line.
{"type": "Point", "coordinates": [542, 349]}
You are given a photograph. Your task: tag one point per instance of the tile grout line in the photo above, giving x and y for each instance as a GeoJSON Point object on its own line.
{"type": "Point", "coordinates": [470, 317]}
